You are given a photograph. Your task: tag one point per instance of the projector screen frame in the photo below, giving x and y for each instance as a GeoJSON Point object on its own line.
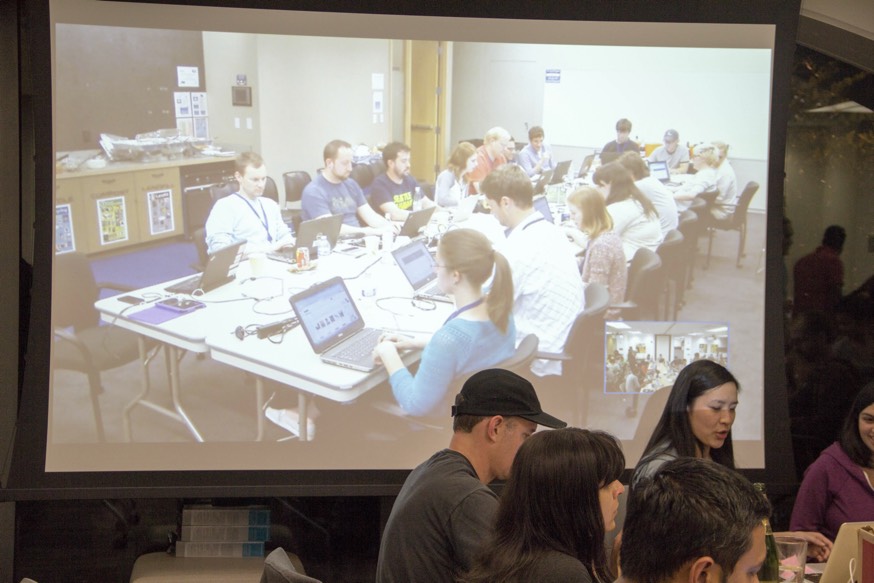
{"type": "Point", "coordinates": [28, 480]}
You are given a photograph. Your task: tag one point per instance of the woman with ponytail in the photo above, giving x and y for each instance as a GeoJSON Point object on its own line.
{"type": "Point", "coordinates": [477, 335]}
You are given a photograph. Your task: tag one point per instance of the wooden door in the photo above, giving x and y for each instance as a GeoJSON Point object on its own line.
{"type": "Point", "coordinates": [425, 107]}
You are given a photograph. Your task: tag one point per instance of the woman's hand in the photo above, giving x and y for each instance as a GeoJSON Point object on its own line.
{"type": "Point", "coordinates": [819, 547]}
{"type": "Point", "coordinates": [400, 341]}
{"type": "Point", "coordinates": [385, 350]}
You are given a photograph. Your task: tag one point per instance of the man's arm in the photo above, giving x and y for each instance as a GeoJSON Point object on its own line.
{"type": "Point", "coordinates": [371, 218]}
{"type": "Point", "coordinates": [220, 226]}
{"type": "Point", "coordinates": [470, 525]}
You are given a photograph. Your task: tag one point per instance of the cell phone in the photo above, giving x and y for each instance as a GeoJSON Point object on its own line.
{"type": "Point", "coordinates": [180, 305]}
{"type": "Point", "coordinates": [133, 300]}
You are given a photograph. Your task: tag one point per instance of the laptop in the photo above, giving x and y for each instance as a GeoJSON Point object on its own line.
{"type": "Point", "coordinates": [846, 547]}
{"type": "Point", "coordinates": [660, 171]}
{"type": "Point", "coordinates": [334, 326]}
{"type": "Point", "coordinates": [415, 221]}
{"type": "Point", "coordinates": [329, 226]}
{"type": "Point", "coordinates": [417, 265]}
{"type": "Point", "coordinates": [218, 271]}
{"type": "Point", "coordinates": [559, 172]}
{"type": "Point", "coordinates": [586, 166]}
{"type": "Point", "coordinates": [542, 205]}
{"type": "Point", "coordinates": [542, 182]}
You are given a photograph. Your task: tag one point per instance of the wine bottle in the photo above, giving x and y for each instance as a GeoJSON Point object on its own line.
{"type": "Point", "coordinates": [770, 571]}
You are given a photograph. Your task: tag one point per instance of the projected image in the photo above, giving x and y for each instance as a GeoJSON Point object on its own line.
{"type": "Point", "coordinates": [627, 196]}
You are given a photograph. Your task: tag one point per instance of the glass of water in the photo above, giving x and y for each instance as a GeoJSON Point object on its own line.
{"type": "Point", "coordinates": [792, 552]}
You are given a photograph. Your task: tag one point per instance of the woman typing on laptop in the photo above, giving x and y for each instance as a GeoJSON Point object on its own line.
{"type": "Point", "coordinates": [478, 334]}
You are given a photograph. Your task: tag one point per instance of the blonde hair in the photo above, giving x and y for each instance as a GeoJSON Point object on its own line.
{"type": "Point", "coordinates": [496, 134]}
{"type": "Point", "coordinates": [707, 152]}
{"type": "Point", "coordinates": [471, 254]}
{"type": "Point", "coordinates": [590, 202]}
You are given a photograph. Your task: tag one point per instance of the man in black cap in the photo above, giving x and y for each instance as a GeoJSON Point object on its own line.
{"type": "Point", "coordinates": [444, 510]}
{"type": "Point", "coordinates": [672, 152]}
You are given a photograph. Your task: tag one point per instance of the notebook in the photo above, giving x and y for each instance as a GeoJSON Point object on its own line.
{"type": "Point", "coordinates": [218, 271]}
{"type": "Point", "coordinates": [846, 547]}
{"type": "Point", "coordinates": [415, 221]}
{"type": "Point", "coordinates": [560, 171]}
{"type": "Point", "coordinates": [417, 265]}
{"type": "Point", "coordinates": [329, 226]}
{"type": "Point", "coordinates": [542, 205]}
{"type": "Point", "coordinates": [334, 326]}
{"type": "Point", "coordinates": [660, 171]}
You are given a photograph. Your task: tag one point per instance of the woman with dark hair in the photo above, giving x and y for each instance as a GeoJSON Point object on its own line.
{"type": "Point", "coordinates": [453, 183]}
{"type": "Point", "coordinates": [561, 497]}
{"type": "Point", "coordinates": [837, 487]}
{"type": "Point", "coordinates": [635, 219]}
{"type": "Point", "coordinates": [696, 421]}
{"type": "Point", "coordinates": [479, 334]}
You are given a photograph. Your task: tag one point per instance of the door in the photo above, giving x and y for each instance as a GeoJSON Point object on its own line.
{"type": "Point", "coordinates": [425, 107]}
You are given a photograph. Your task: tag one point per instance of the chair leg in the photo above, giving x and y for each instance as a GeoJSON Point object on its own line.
{"type": "Point", "coordinates": [95, 389]}
{"type": "Point", "coordinates": [709, 247]}
{"type": "Point", "coordinates": [742, 239]}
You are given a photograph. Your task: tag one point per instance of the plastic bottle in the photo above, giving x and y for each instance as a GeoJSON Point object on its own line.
{"type": "Point", "coordinates": [770, 571]}
{"type": "Point", "coordinates": [323, 246]}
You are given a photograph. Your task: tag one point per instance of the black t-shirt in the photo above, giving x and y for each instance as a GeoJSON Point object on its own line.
{"type": "Point", "coordinates": [440, 519]}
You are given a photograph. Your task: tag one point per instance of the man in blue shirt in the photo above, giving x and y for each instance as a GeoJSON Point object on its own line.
{"type": "Point", "coordinates": [396, 193]}
{"type": "Point", "coordinates": [536, 157]}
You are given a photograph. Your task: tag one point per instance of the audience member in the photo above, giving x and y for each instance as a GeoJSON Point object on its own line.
{"type": "Point", "coordinates": [444, 511]}
{"type": "Point", "coordinates": [621, 144]}
{"type": "Point", "coordinates": [489, 156]}
{"type": "Point", "coordinates": [453, 184]}
{"type": "Point", "coordinates": [561, 497]}
{"type": "Point", "coordinates": [603, 258]}
{"type": "Point", "coordinates": [672, 152]}
{"type": "Point", "coordinates": [653, 189]}
{"type": "Point", "coordinates": [837, 486]}
{"type": "Point", "coordinates": [536, 157]}
{"type": "Point", "coordinates": [705, 160]}
{"type": "Point", "coordinates": [819, 276]}
{"type": "Point", "coordinates": [635, 218]}
{"type": "Point", "coordinates": [693, 521]}
{"type": "Point", "coordinates": [726, 184]}
{"type": "Point", "coordinates": [332, 193]}
{"type": "Point", "coordinates": [246, 215]}
{"type": "Point", "coordinates": [548, 291]}
{"type": "Point", "coordinates": [394, 193]}
{"type": "Point", "coordinates": [510, 152]}
{"type": "Point", "coordinates": [480, 333]}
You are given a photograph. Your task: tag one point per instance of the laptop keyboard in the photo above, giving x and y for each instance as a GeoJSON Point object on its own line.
{"type": "Point", "coordinates": [186, 286]}
{"type": "Point", "coordinates": [284, 257]}
{"type": "Point", "coordinates": [361, 347]}
{"type": "Point", "coordinates": [433, 290]}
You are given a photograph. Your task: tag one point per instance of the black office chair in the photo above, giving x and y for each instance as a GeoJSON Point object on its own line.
{"type": "Point", "coordinates": [736, 221]}
{"type": "Point", "coordinates": [295, 182]}
{"type": "Point", "coordinates": [222, 190]}
{"type": "Point", "coordinates": [198, 237]}
{"type": "Point", "coordinates": [81, 344]}
{"type": "Point", "coordinates": [690, 227]}
{"type": "Point", "coordinates": [641, 303]}
{"type": "Point", "coordinates": [363, 175]}
{"type": "Point", "coordinates": [672, 274]}
{"type": "Point", "coordinates": [377, 166]}
{"type": "Point", "coordinates": [270, 190]}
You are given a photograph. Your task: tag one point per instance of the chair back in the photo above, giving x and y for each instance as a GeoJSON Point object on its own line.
{"type": "Point", "coordinates": [377, 167]}
{"type": "Point", "coordinates": [363, 175]}
{"type": "Point", "coordinates": [198, 237]}
{"type": "Point", "coordinates": [222, 190]}
{"type": "Point", "coordinates": [295, 182]}
{"type": "Point", "coordinates": [586, 338]}
{"type": "Point", "coordinates": [597, 299]}
{"type": "Point", "coordinates": [743, 204]}
{"type": "Point", "coordinates": [270, 190]}
{"type": "Point", "coordinates": [643, 265]}
{"type": "Point", "coordinates": [75, 292]}
{"type": "Point", "coordinates": [671, 248]}
{"type": "Point", "coordinates": [521, 360]}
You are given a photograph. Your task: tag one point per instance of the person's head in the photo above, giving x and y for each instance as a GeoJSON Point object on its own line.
{"type": "Point", "coordinates": [463, 159]}
{"type": "Point", "coordinates": [857, 437]}
{"type": "Point", "coordinates": [705, 155]}
{"type": "Point", "coordinates": [251, 174]}
{"type": "Point", "coordinates": [397, 159]}
{"type": "Point", "coordinates": [699, 413]}
{"type": "Point", "coordinates": [632, 162]}
{"type": "Point", "coordinates": [623, 130]}
{"type": "Point", "coordinates": [536, 136]}
{"type": "Point", "coordinates": [495, 411]}
{"type": "Point", "coordinates": [562, 494]}
{"type": "Point", "coordinates": [617, 184]}
{"type": "Point", "coordinates": [510, 194]}
{"type": "Point", "coordinates": [588, 211]}
{"type": "Point", "coordinates": [834, 237]}
{"type": "Point", "coordinates": [671, 140]}
{"type": "Point", "coordinates": [510, 149]}
{"type": "Point", "coordinates": [693, 518]}
{"type": "Point", "coordinates": [338, 160]}
{"type": "Point", "coordinates": [466, 257]}
{"type": "Point", "coordinates": [721, 150]}
{"type": "Point", "coordinates": [495, 141]}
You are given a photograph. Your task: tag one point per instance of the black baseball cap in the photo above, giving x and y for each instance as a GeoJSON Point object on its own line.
{"type": "Point", "coordinates": [496, 391]}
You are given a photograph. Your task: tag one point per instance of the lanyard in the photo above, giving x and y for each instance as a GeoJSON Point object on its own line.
{"type": "Point", "coordinates": [261, 218]}
{"type": "Point", "coordinates": [463, 309]}
{"type": "Point", "coordinates": [534, 222]}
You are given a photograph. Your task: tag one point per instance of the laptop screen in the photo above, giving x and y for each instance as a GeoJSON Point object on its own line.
{"type": "Point", "coordinates": [660, 170]}
{"type": "Point", "coordinates": [327, 313]}
{"type": "Point", "coordinates": [542, 205]}
{"type": "Point", "coordinates": [416, 263]}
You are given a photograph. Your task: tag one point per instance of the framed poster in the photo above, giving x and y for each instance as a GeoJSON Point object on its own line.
{"type": "Point", "coordinates": [65, 238]}
{"type": "Point", "coordinates": [112, 219]}
{"type": "Point", "coordinates": [160, 211]}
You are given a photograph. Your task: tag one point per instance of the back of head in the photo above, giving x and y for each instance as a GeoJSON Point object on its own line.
{"type": "Point", "coordinates": [689, 509]}
{"type": "Point", "coordinates": [510, 181]}
{"type": "Point", "coordinates": [834, 237]}
{"type": "Point", "coordinates": [632, 162]}
{"type": "Point", "coordinates": [673, 428]}
{"type": "Point", "coordinates": [851, 439]}
{"type": "Point", "coordinates": [622, 186]}
{"type": "Point", "coordinates": [708, 153]}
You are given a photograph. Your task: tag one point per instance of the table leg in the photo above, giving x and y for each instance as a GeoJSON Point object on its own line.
{"type": "Point", "coordinates": [303, 417]}
{"type": "Point", "coordinates": [146, 387]}
{"type": "Point", "coordinates": [174, 392]}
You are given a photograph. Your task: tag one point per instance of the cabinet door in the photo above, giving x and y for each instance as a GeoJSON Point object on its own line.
{"type": "Point", "coordinates": [70, 229]}
{"type": "Point", "coordinates": [110, 211]}
{"type": "Point", "coordinates": [159, 203]}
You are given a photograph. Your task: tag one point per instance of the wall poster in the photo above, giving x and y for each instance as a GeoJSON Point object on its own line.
{"type": "Point", "coordinates": [65, 239]}
{"type": "Point", "coordinates": [160, 211]}
{"type": "Point", "coordinates": [112, 218]}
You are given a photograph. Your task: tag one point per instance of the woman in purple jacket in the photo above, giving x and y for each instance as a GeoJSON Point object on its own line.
{"type": "Point", "coordinates": [837, 487]}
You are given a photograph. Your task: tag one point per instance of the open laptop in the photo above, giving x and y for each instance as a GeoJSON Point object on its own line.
{"type": "Point", "coordinates": [559, 172]}
{"type": "Point", "coordinates": [660, 171]}
{"type": "Point", "coordinates": [329, 226]}
{"type": "Point", "coordinates": [334, 326]}
{"type": "Point", "coordinates": [542, 182]}
{"type": "Point", "coordinates": [415, 221]}
{"type": "Point", "coordinates": [542, 205]}
{"type": "Point", "coordinates": [218, 271]}
{"type": "Point", "coordinates": [846, 547]}
{"type": "Point", "coordinates": [417, 265]}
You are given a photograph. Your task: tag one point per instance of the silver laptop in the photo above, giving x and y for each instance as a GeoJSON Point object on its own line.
{"type": "Point", "coordinates": [415, 221]}
{"type": "Point", "coordinates": [660, 171]}
{"type": "Point", "coordinates": [334, 326]}
{"type": "Point", "coordinates": [218, 271]}
{"type": "Point", "coordinates": [846, 547]}
{"type": "Point", "coordinates": [559, 172]}
{"type": "Point", "coordinates": [329, 226]}
{"type": "Point", "coordinates": [542, 205]}
{"type": "Point", "coordinates": [417, 265]}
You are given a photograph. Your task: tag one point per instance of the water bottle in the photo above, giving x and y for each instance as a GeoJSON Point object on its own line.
{"type": "Point", "coordinates": [770, 571]}
{"type": "Point", "coordinates": [323, 246]}
{"type": "Point", "coordinates": [417, 199]}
